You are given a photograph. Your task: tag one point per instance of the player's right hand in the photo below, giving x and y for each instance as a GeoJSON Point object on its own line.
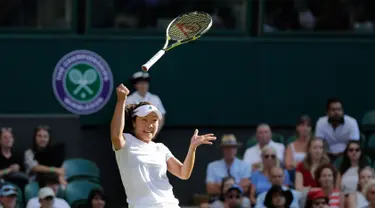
{"type": "Point", "coordinates": [122, 92]}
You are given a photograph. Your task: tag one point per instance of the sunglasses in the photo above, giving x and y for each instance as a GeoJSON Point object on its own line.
{"type": "Point", "coordinates": [269, 156]}
{"type": "Point", "coordinates": [354, 149]}
{"type": "Point", "coordinates": [233, 196]}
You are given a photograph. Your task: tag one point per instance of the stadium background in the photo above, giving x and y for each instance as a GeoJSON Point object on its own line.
{"type": "Point", "coordinates": [227, 82]}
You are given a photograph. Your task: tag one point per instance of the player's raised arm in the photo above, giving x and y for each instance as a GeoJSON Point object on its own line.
{"type": "Point", "coordinates": [118, 119]}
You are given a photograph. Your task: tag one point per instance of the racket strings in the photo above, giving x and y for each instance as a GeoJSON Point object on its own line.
{"type": "Point", "coordinates": [189, 26]}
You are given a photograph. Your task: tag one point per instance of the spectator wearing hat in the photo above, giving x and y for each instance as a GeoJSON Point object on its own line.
{"type": "Point", "coordinates": [8, 196]}
{"type": "Point", "coordinates": [277, 179]}
{"type": "Point", "coordinates": [46, 196]}
{"type": "Point", "coordinates": [233, 198]}
{"type": "Point", "coordinates": [140, 81]}
{"type": "Point", "coordinates": [316, 199]}
{"type": "Point", "coordinates": [230, 165]}
{"type": "Point", "coordinates": [51, 181]}
{"type": "Point", "coordinates": [278, 197]}
{"type": "Point", "coordinates": [252, 155]}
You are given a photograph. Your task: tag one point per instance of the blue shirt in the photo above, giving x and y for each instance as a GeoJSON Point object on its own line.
{"type": "Point", "coordinates": [263, 184]}
{"type": "Point", "coordinates": [217, 170]}
{"type": "Point", "coordinates": [262, 197]}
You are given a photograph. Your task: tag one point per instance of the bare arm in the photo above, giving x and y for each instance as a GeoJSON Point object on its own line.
{"type": "Point", "coordinates": [252, 194]}
{"type": "Point", "coordinates": [289, 162]}
{"type": "Point", "coordinates": [118, 119]}
{"type": "Point", "coordinates": [182, 170]}
{"type": "Point", "coordinates": [299, 182]}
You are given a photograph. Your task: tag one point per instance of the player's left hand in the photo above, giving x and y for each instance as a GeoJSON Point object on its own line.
{"type": "Point", "coordinates": [197, 140]}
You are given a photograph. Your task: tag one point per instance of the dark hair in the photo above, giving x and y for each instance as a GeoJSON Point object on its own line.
{"type": "Point", "coordinates": [34, 147]}
{"type": "Point", "coordinates": [345, 164]}
{"type": "Point", "coordinates": [304, 119]}
{"type": "Point", "coordinates": [307, 161]}
{"type": "Point", "coordinates": [278, 189]}
{"type": "Point", "coordinates": [129, 118]}
{"type": "Point", "coordinates": [309, 202]}
{"type": "Point", "coordinates": [45, 179]}
{"type": "Point", "coordinates": [330, 101]}
{"type": "Point", "coordinates": [225, 179]}
{"type": "Point", "coordinates": [92, 195]}
{"type": "Point", "coordinates": [319, 170]}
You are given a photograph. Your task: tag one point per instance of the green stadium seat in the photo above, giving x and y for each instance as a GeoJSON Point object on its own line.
{"type": "Point", "coordinates": [371, 142]}
{"type": "Point", "coordinates": [77, 191]}
{"type": "Point", "coordinates": [76, 169]}
{"type": "Point", "coordinates": [362, 140]}
{"type": "Point", "coordinates": [338, 161]}
{"type": "Point", "coordinates": [291, 139]}
{"type": "Point", "coordinates": [369, 118]}
{"type": "Point", "coordinates": [275, 137]}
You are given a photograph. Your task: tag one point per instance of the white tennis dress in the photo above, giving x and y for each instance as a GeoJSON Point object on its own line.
{"type": "Point", "coordinates": [143, 169]}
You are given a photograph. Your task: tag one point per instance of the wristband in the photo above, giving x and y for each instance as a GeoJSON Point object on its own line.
{"type": "Point", "coordinates": [52, 169]}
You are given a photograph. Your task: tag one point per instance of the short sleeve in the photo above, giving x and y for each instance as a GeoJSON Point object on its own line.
{"type": "Point", "coordinates": [319, 129]}
{"type": "Point", "coordinates": [245, 170]}
{"type": "Point", "coordinates": [166, 151]}
{"type": "Point", "coordinates": [29, 161]}
{"type": "Point", "coordinates": [159, 105]}
{"type": "Point", "coordinates": [210, 175]}
{"type": "Point", "coordinates": [354, 131]}
{"type": "Point", "coordinates": [129, 140]}
{"type": "Point", "coordinates": [287, 178]}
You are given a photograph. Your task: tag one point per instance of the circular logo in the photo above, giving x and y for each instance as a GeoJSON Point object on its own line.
{"type": "Point", "coordinates": [82, 82]}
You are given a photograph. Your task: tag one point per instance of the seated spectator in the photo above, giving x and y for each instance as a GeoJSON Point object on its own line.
{"type": "Point", "coordinates": [46, 197]}
{"type": "Point", "coordinates": [277, 179]}
{"type": "Point", "coordinates": [353, 160]}
{"type": "Point", "coordinates": [296, 151]}
{"type": "Point", "coordinates": [306, 169]}
{"type": "Point", "coordinates": [326, 178]}
{"type": "Point", "coordinates": [226, 184]}
{"type": "Point", "coordinates": [252, 155]}
{"type": "Point", "coordinates": [11, 163]}
{"type": "Point", "coordinates": [230, 165]}
{"type": "Point", "coordinates": [369, 193]}
{"type": "Point", "coordinates": [356, 198]}
{"type": "Point", "coordinates": [336, 128]}
{"type": "Point", "coordinates": [51, 181]}
{"type": "Point", "coordinates": [8, 196]}
{"type": "Point", "coordinates": [233, 198]}
{"type": "Point", "coordinates": [316, 199]}
{"type": "Point", "coordinates": [277, 197]}
{"type": "Point", "coordinates": [43, 150]}
{"type": "Point", "coordinates": [261, 178]}
{"type": "Point", "coordinates": [96, 199]}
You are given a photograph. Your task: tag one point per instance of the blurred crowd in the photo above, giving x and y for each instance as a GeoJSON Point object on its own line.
{"type": "Point", "coordinates": [271, 15]}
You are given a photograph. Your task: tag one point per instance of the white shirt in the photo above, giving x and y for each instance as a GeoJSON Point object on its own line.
{"type": "Point", "coordinates": [143, 170]}
{"type": "Point", "coordinates": [254, 154]}
{"type": "Point", "coordinates": [57, 203]}
{"type": "Point", "coordinates": [338, 138]}
{"type": "Point", "coordinates": [136, 98]}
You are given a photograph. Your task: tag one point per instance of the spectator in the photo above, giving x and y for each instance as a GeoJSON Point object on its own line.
{"type": "Point", "coordinates": [296, 151]}
{"type": "Point", "coordinates": [226, 184]}
{"type": "Point", "coordinates": [261, 178]}
{"type": "Point", "coordinates": [42, 150]}
{"type": "Point", "coordinates": [356, 198]}
{"type": "Point", "coordinates": [369, 193]}
{"type": "Point", "coordinates": [233, 197]}
{"type": "Point", "coordinates": [140, 81]}
{"type": "Point", "coordinates": [51, 181]}
{"type": "Point", "coordinates": [336, 128]}
{"type": "Point", "coordinates": [10, 162]}
{"type": "Point", "coordinates": [353, 161]}
{"type": "Point", "coordinates": [46, 197]}
{"type": "Point", "coordinates": [277, 179]}
{"type": "Point", "coordinates": [96, 199]}
{"type": "Point", "coordinates": [230, 165]}
{"type": "Point", "coordinates": [8, 196]}
{"type": "Point", "coordinates": [326, 178]}
{"type": "Point", "coordinates": [306, 169]}
{"type": "Point", "coordinates": [277, 197]}
{"type": "Point", "coordinates": [252, 155]}
{"type": "Point", "coordinates": [316, 199]}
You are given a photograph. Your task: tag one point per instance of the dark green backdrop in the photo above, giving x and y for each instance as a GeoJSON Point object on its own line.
{"type": "Point", "coordinates": [210, 82]}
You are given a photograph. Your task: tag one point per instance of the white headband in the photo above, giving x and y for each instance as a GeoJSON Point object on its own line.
{"type": "Point", "coordinates": [144, 110]}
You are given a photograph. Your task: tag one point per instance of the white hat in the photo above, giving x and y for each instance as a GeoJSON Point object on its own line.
{"type": "Point", "coordinates": [144, 110]}
{"type": "Point", "coordinates": [46, 192]}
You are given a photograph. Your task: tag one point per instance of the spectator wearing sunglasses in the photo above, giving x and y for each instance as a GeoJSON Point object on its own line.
{"type": "Point", "coordinates": [261, 178]}
{"type": "Point", "coordinates": [316, 199]}
{"type": "Point", "coordinates": [353, 161]}
{"type": "Point", "coordinates": [277, 179]}
{"type": "Point", "coordinates": [8, 196]}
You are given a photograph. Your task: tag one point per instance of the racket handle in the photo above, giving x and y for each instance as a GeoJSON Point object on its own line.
{"type": "Point", "coordinates": [153, 60]}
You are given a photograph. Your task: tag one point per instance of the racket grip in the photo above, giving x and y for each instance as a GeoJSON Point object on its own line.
{"type": "Point", "coordinates": [153, 60]}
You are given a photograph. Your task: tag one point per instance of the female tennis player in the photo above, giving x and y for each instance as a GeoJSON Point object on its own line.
{"type": "Point", "coordinates": [143, 164]}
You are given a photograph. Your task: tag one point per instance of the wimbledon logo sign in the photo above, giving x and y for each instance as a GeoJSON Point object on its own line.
{"type": "Point", "coordinates": [82, 82]}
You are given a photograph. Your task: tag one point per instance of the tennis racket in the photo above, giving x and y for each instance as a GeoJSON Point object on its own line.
{"type": "Point", "coordinates": [183, 29]}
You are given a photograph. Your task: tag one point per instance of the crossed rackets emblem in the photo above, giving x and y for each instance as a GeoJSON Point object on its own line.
{"type": "Point", "coordinates": [82, 80]}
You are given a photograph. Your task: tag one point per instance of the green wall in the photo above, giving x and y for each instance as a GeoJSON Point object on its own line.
{"type": "Point", "coordinates": [209, 82]}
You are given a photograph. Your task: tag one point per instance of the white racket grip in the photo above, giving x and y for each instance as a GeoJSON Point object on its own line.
{"type": "Point", "coordinates": [153, 60]}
